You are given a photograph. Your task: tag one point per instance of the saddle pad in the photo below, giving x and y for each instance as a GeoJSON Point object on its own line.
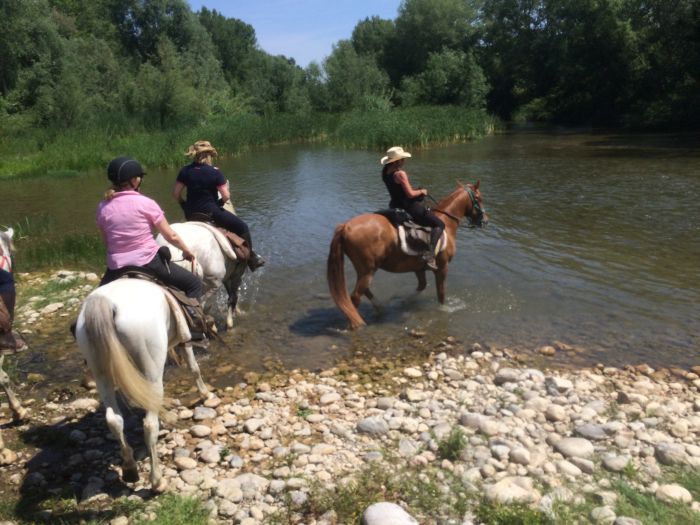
{"type": "Point", "coordinates": [419, 233]}
{"type": "Point", "coordinates": [181, 327]}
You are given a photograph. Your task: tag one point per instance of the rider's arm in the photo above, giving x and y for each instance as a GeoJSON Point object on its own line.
{"type": "Point", "coordinates": [177, 191]}
{"type": "Point", "coordinates": [173, 238]}
{"type": "Point", "coordinates": [401, 177]}
{"type": "Point", "coordinates": [225, 194]}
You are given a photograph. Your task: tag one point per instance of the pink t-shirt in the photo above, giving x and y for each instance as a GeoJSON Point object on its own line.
{"type": "Point", "coordinates": [127, 222]}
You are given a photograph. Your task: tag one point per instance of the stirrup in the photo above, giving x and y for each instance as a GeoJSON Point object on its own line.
{"type": "Point", "coordinates": [428, 258]}
{"type": "Point", "coordinates": [255, 261]}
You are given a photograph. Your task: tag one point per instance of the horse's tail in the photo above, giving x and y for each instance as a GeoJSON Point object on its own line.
{"type": "Point", "coordinates": [336, 279]}
{"type": "Point", "coordinates": [111, 359]}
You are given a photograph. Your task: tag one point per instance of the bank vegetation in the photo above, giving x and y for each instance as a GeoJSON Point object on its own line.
{"type": "Point", "coordinates": [84, 80]}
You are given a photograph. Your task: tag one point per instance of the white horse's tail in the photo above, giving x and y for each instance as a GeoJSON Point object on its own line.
{"type": "Point", "coordinates": [111, 359]}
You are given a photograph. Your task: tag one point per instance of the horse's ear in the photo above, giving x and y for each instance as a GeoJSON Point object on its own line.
{"type": "Point", "coordinates": [476, 186]}
{"type": "Point", "coordinates": [10, 232]}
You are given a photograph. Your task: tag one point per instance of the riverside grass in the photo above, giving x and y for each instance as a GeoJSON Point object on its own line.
{"type": "Point", "coordinates": [65, 152]}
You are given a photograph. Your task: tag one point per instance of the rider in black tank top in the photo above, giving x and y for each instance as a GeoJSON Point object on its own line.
{"type": "Point", "coordinates": [403, 195]}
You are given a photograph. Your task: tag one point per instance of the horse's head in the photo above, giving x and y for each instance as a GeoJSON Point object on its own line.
{"type": "Point", "coordinates": [6, 249]}
{"type": "Point", "coordinates": [475, 212]}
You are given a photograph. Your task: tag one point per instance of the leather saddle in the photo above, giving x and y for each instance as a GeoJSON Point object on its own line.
{"type": "Point", "coordinates": [239, 245]}
{"type": "Point", "coordinates": [417, 237]}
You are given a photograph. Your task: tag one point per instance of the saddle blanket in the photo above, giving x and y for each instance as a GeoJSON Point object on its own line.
{"type": "Point", "coordinates": [415, 239]}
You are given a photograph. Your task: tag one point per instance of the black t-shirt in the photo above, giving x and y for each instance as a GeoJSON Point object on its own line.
{"type": "Point", "coordinates": [7, 282]}
{"type": "Point", "coordinates": [202, 182]}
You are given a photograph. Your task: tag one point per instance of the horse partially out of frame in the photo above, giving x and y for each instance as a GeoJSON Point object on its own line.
{"type": "Point", "coordinates": [18, 412]}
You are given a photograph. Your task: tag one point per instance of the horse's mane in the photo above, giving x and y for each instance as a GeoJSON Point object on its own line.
{"type": "Point", "coordinates": [447, 201]}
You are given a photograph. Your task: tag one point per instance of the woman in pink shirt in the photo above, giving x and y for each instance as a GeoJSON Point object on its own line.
{"type": "Point", "coordinates": [127, 220]}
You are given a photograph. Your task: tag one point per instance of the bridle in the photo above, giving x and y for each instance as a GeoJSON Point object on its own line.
{"type": "Point", "coordinates": [476, 205]}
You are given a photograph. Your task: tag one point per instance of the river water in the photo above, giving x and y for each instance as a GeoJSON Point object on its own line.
{"type": "Point", "coordinates": [594, 241]}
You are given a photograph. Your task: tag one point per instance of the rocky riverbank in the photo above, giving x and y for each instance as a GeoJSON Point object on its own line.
{"type": "Point", "coordinates": [468, 435]}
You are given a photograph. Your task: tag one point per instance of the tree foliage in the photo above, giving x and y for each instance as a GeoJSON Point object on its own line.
{"type": "Point", "coordinates": [155, 63]}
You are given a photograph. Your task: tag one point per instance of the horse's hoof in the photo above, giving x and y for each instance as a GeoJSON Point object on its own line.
{"type": "Point", "coordinates": [88, 382]}
{"type": "Point", "coordinates": [168, 418]}
{"type": "Point", "coordinates": [160, 486]}
{"type": "Point", "coordinates": [20, 415]}
{"type": "Point", "coordinates": [130, 475]}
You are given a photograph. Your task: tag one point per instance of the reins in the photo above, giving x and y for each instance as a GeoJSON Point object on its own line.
{"type": "Point", "coordinates": [456, 219]}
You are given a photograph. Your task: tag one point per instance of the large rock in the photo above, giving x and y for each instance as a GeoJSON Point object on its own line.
{"type": "Point", "coordinates": [670, 453]}
{"type": "Point", "coordinates": [374, 426]}
{"type": "Point", "coordinates": [506, 375]}
{"type": "Point", "coordinates": [591, 431]}
{"type": "Point", "coordinates": [575, 447]}
{"type": "Point", "coordinates": [673, 494]}
{"type": "Point", "coordinates": [513, 490]}
{"type": "Point", "coordinates": [385, 513]}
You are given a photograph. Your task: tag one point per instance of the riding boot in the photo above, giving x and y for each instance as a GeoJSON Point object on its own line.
{"type": "Point", "coordinates": [429, 255]}
{"type": "Point", "coordinates": [255, 261]}
{"type": "Point", "coordinates": [197, 323]}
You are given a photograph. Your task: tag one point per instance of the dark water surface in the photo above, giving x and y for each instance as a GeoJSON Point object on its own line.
{"type": "Point", "coordinates": [594, 240]}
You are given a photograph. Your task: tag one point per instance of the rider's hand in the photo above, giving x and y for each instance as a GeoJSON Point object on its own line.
{"type": "Point", "coordinates": [424, 191]}
{"type": "Point", "coordinates": [188, 255]}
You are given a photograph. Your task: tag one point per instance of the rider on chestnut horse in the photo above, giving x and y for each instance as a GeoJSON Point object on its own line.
{"type": "Point", "coordinates": [404, 196]}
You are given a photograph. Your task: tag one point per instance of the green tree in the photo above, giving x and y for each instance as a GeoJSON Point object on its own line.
{"type": "Point", "coordinates": [428, 26]}
{"type": "Point", "coordinates": [587, 60]}
{"type": "Point", "coordinates": [353, 80]}
{"type": "Point", "coordinates": [142, 24]}
{"type": "Point", "coordinates": [668, 62]}
{"type": "Point", "coordinates": [372, 37]}
{"type": "Point", "coordinates": [450, 77]}
{"type": "Point", "coordinates": [275, 83]}
{"type": "Point", "coordinates": [234, 41]}
{"type": "Point", "coordinates": [510, 30]}
{"type": "Point", "coordinates": [29, 47]}
{"type": "Point", "coordinates": [161, 95]}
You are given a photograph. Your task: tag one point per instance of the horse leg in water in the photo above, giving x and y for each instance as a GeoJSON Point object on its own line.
{"type": "Point", "coordinates": [422, 283]}
{"type": "Point", "coordinates": [194, 368]}
{"type": "Point", "coordinates": [362, 288]}
{"type": "Point", "coordinates": [232, 283]}
{"type": "Point", "coordinates": [375, 303]}
{"type": "Point", "coordinates": [18, 412]}
{"type": "Point", "coordinates": [440, 277]}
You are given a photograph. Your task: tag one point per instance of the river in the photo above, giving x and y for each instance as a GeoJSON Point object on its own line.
{"type": "Point", "coordinates": [594, 241]}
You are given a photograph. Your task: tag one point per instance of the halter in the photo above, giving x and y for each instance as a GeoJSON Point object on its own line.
{"type": "Point", "coordinates": [476, 206]}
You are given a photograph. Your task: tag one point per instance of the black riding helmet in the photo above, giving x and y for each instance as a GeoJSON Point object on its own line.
{"type": "Point", "coordinates": [123, 169]}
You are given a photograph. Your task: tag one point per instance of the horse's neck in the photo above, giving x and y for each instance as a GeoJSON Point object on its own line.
{"type": "Point", "coordinates": [455, 205]}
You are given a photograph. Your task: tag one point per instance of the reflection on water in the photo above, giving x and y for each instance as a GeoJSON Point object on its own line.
{"type": "Point", "coordinates": [594, 241]}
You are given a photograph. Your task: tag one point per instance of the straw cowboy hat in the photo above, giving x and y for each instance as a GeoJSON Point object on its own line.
{"type": "Point", "coordinates": [199, 147]}
{"type": "Point", "coordinates": [394, 154]}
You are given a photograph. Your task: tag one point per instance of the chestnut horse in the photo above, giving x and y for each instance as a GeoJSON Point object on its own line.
{"type": "Point", "coordinates": [371, 242]}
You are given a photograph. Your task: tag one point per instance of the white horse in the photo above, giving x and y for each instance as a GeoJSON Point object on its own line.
{"type": "Point", "coordinates": [18, 412]}
{"type": "Point", "coordinates": [216, 261]}
{"type": "Point", "coordinates": [124, 331]}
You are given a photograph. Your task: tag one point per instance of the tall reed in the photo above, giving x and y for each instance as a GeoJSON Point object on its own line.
{"type": "Point", "coordinates": [63, 152]}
